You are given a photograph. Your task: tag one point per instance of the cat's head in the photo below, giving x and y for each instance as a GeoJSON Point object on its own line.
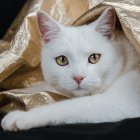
{"type": "Point", "coordinates": [78, 60]}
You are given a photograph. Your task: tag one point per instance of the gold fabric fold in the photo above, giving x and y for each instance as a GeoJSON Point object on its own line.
{"type": "Point", "coordinates": [20, 101]}
{"type": "Point", "coordinates": [20, 47]}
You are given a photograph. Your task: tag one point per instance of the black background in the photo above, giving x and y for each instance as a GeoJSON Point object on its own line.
{"type": "Point", "coordinates": [126, 129]}
{"type": "Point", "coordinates": [8, 11]}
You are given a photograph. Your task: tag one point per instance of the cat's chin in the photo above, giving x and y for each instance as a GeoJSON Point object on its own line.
{"type": "Point", "coordinates": [78, 92]}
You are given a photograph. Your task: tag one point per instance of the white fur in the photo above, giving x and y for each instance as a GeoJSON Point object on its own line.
{"type": "Point", "coordinates": [113, 82]}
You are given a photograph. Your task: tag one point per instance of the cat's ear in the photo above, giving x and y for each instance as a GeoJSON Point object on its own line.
{"type": "Point", "coordinates": [105, 24]}
{"type": "Point", "coordinates": [48, 27]}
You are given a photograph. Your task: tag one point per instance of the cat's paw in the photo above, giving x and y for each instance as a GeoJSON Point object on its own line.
{"type": "Point", "coordinates": [14, 121]}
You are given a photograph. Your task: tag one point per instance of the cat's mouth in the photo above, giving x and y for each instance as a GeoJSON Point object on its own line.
{"type": "Point", "coordinates": [79, 91]}
{"type": "Point", "coordinates": [79, 88]}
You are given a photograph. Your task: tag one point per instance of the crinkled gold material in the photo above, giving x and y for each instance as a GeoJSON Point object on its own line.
{"type": "Point", "coordinates": [4, 45]}
{"type": "Point", "coordinates": [13, 100]}
{"type": "Point", "coordinates": [20, 47]}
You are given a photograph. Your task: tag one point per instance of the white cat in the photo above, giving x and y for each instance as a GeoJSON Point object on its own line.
{"type": "Point", "coordinates": [82, 61]}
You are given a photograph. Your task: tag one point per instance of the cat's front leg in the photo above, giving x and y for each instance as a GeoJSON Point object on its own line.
{"type": "Point", "coordinates": [97, 108]}
{"type": "Point", "coordinates": [69, 111]}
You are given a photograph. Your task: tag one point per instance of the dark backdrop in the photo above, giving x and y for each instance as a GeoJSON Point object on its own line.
{"type": "Point", "coordinates": [8, 11]}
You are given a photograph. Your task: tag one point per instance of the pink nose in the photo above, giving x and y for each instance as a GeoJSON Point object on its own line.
{"type": "Point", "coordinates": [78, 79]}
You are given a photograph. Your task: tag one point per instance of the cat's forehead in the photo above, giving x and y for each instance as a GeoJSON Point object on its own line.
{"type": "Point", "coordinates": [80, 39]}
{"type": "Point", "coordinates": [77, 34]}
{"type": "Point", "coordinates": [73, 41]}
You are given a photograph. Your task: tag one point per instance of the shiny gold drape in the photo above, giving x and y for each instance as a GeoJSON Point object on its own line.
{"type": "Point", "coordinates": [20, 47]}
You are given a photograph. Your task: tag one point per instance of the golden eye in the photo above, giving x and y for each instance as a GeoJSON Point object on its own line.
{"type": "Point", "coordinates": [94, 58]}
{"type": "Point", "coordinates": [61, 60]}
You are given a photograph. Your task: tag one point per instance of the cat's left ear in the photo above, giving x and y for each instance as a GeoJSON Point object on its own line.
{"type": "Point", "coordinates": [105, 24]}
{"type": "Point", "coordinates": [48, 27]}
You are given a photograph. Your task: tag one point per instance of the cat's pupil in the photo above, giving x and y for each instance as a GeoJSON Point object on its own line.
{"type": "Point", "coordinates": [94, 56]}
{"type": "Point", "coordinates": [63, 59]}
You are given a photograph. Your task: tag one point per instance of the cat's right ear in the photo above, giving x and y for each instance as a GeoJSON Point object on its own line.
{"type": "Point", "coordinates": [48, 27]}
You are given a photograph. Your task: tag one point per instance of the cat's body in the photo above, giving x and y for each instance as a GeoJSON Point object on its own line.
{"type": "Point", "coordinates": [94, 63]}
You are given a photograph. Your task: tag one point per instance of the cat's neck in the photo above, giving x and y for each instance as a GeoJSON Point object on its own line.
{"type": "Point", "coordinates": [128, 55]}
{"type": "Point", "coordinates": [127, 58]}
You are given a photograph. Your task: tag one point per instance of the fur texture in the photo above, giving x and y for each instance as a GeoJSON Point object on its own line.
{"type": "Point", "coordinates": [113, 82]}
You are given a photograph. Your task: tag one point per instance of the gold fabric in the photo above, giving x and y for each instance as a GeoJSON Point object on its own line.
{"type": "Point", "coordinates": [20, 47]}
{"type": "Point", "coordinates": [15, 100]}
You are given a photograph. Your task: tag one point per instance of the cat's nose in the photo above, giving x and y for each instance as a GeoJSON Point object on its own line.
{"type": "Point", "coordinates": [78, 79]}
